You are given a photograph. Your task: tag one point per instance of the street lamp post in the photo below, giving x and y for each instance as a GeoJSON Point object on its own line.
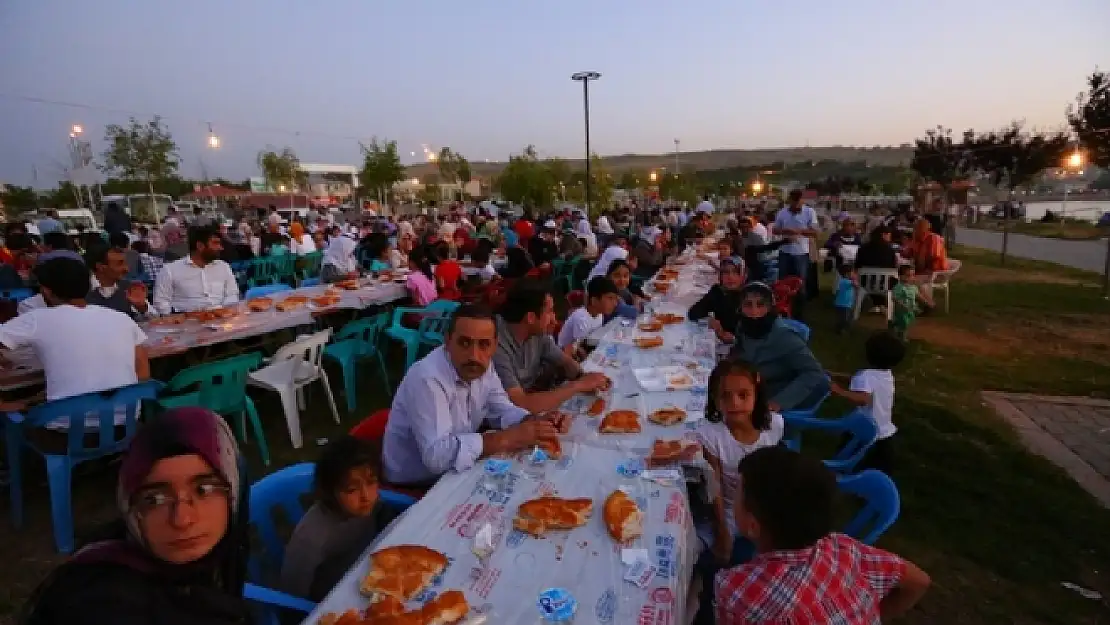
{"type": "Point", "coordinates": [585, 78]}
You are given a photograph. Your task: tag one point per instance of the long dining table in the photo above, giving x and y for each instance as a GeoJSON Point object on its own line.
{"type": "Point", "coordinates": [505, 573]}
{"type": "Point", "coordinates": [167, 340]}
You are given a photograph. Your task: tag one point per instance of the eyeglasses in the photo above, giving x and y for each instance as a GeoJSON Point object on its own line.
{"type": "Point", "coordinates": [162, 501]}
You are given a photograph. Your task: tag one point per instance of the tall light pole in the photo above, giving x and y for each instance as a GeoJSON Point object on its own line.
{"type": "Point", "coordinates": [80, 158]}
{"type": "Point", "coordinates": [585, 78]}
{"type": "Point", "coordinates": [676, 142]}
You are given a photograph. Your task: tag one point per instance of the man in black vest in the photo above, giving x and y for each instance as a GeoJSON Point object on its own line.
{"type": "Point", "coordinates": [109, 266]}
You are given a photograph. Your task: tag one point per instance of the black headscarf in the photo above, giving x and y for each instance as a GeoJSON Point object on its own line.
{"type": "Point", "coordinates": [757, 327]}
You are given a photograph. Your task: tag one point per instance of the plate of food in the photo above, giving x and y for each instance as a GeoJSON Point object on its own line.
{"type": "Point", "coordinates": [650, 326]}
{"type": "Point", "coordinates": [648, 342]}
{"type": "Point", "coordinates": [660, 379]}
{"type": "Point", "coordinates": [668, 318]}
{"type": "Point", "coordinates": [260, 304]}
{"type": "Point", "coordinates": [292, 302]}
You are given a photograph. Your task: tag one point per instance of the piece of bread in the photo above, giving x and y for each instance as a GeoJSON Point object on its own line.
{"type": "Point", "coordinates": [651, 326]}
{"type": "Point", "coordinates": [597, 407]}
{"type": "Point", "coordinates": [648, 342]}
{"type": "Point", "coordinates": [671, 415]}
{"type": "Point", "coordinates": [446, 608]}
{"type": "Point", "coordinates": [350, 617]}
{"type": "Point", "coordinates": [666, 451]}
{"type": "Point", "coordinates": [402, 571]}
{"type": "Point", "coordinates": [662, 287]}
{"type": "Point", "coordinates": [325, 301]}
{"type": "Point", "coordinates": [292, 302]}
{"type": "Point", "coordinates": [620, 422]}
{"type": "Point", "coordinates": [384, 606]}
{"type": "Point", "coordinates": [536, 516]}
{"type": "Point", "coordinates": [622, 517]}
{"type": "Point", "coordinates": [349, 285]}
{"type": "Point", "coordinates": [260, 304]}
{"type": "Point", "coordinates": [669, 318]}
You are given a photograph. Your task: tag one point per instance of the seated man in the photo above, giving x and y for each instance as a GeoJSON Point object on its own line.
{"type": "Point", "coordinates": [109, 266]}
{"type": "Point", "coordinates": [602, 297]}
{"type": "Point", "coordinates": [526, 353]}
{"type": "Point", "coordinates": [199, 281]}
{"type": "Point", "coordinates": [803, 572]}
{"type": "Point", "coordinates": [443, 401]}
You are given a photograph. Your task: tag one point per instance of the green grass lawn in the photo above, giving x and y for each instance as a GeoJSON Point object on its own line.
{"type": "Point", "coordinates": [997, 527]}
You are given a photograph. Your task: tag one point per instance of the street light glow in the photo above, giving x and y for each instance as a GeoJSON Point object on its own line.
{"type": "Point", "coordinates": [213, 142]}
{"type": "Point", "coordinates": [281, 188]}
{"type": "Point", "coordinates": [76, 130]}
{"type": "Point", "coordinates": [757, 186]}
{"type": "Point", "coordinates": [653, 176]}
{"type": "Point", "coordinates": [1075, 159]}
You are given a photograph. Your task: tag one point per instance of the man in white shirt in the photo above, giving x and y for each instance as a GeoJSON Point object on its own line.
{"type": "Point", "coordinates": [199, 281]}
{"type": "Point", "coordinates": [82, 348]}
{"type": "Point", "coordinates": [705, 206]}
{"type": "Point", "coordinates": [602, 297]}
{"type": "Point", "coordinates": [444, 400]}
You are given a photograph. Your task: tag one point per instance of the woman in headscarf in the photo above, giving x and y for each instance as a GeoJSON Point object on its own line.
{"type": "Point", "coordinates": [926, 249]}
{"type": "Point", "coordinates": [788, 371]}
{"type": "Point", "coordinates": [300, 243]}
{"type": "Point", "coordinates": [178, 555]}
{"type": "Point", "coordinates": [722, 301]}
{"type": "Point", "coordinates": [582, 231]}
{"type": "Point", "coordinates": [616, 250]}
{"type": "Point", "coordinates": [517, 263]}
{"type": "Point", "coordinates": [339, 260]}
{"type": "Point", "coordinates": [650, 251]}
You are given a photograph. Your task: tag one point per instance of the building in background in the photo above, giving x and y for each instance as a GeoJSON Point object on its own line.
{"type": "Point", "coordinates": [330, 184]}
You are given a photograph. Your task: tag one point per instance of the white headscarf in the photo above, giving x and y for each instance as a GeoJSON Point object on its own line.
{"type": "Point", "coordinates": [340, 254]}
{"type": "Point", "coordinates": [611, 253]}
{"type": "Point", "coordinates": [582, 228]}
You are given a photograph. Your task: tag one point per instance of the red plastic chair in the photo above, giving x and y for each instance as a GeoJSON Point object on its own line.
{"type": "Point", "coordinates": [785, 290]}
{"type": "Point", "coordinates": [576, 299]}
{"type": "Point", "coordinates": [372, 430]}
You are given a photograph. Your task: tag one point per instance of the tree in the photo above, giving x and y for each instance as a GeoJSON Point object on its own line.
{"type": "Point", "coordinates": [528, 181]}
{"type": "Point", "coordinates": [1014, 158]}
{"type": "Point", "coordinates": [601, 187]}
{"type": "Point", "coordinates": [381, 167]}
{"type": "Point", "coordinates": [938, 158]}
{"type": "Point", "coordinates": [141, 152]}
{"type": "Point", "coordinates": [453, 167]}
{"type": "Point", "coordinates": [1090, 119]}
{"type": "Point", "coordinates": [281, 169]}
{"type": "Point", "coordinates": [18, 200]}
{"type": "Point", "coordinates": [430, 194]}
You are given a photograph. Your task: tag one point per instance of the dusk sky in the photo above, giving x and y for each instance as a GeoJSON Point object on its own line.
{"type": "Point", "coordinates": [488, 77]}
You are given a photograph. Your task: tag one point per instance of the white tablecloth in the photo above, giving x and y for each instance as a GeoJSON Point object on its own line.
{"type": "Point", "coordinates": [586, 561]}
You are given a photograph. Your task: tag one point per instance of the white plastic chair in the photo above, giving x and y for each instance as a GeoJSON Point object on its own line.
{"type": "Point", "coordinates": [292, 368]}
{"type": "Point", "coordinates": [876, 282]}
{"type": "Point", "coordinates": [941, 280]}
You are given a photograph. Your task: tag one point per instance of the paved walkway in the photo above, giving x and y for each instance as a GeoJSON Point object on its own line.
{"type": "Point", "coordinates": [1086, 255]}
{"type": "Point", "coordinates": [1072, 432]}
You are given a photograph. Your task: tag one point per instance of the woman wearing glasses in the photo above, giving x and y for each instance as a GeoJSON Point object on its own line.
{"type": "Point", "coordinates": [178, 555]}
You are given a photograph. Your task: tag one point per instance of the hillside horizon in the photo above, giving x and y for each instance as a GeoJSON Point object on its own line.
{"type": "Point", "coordinates": [705, 160]}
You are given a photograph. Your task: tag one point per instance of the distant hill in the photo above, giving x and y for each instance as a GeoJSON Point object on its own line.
{"type": "Point", "coordinates": [716, 159]}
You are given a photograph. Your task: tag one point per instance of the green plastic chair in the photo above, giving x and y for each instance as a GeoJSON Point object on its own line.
{"type": "Point", "coordinates": [432, 330]}
{"type": "Point", "coordinates": [286, 268]}
{"type": "Point", "coordinates": [221, 387]}
{"type": "Point", "coordinates": [311, 265]}
{"type": "Point", "coordinates": [263, 271]}
{"type": "Point", "coordinates": [358, 340]}
{"type": "Point", "coordinates": [410, 337]}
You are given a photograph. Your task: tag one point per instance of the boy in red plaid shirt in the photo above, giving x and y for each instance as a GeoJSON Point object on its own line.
{"type": "Point", "coordinates": [803, 573]}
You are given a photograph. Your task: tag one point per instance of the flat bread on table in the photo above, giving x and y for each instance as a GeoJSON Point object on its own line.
{"type": "Point", "coordinates": [536, 516]}
{"type": "Point", "coordinates": [620, 422]}
{"type": "Point", "coordinates": [667, 416]}
{"type": "Point", "coordinates": [260, 304]}
{"type": "Point", "coordinates": [668, 318]}
{"type": "Point", "coordinates": [402, 571]}
{"type": "Point", "coordinates": [292, 302]}
{"type": "Point", "coordinates": [651, 326]}
{"type": "Point", "coordinates": [596, 407]}
{"type": "Point", "coordinates": [623, 518]}
{"type": "Point", "coordinates": [446, 608]}
{"type": "Point", "coordinates": [648, 342]}
{"type": "Point", "coordinates": [661, 286]}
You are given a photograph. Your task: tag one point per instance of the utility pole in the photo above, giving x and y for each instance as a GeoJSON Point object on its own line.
{"type": "Point", "coordinates": [676, 142]}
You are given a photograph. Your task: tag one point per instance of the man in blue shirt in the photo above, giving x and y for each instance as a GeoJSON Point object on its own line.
{"type": "Point", "coordinates": [50, 223]}
{"type": "Point", "coordinates": [796, 223]}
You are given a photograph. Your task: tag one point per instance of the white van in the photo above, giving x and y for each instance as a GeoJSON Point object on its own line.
{"type": "Point", "coordinates": [72, 217]}
{"type": "Point", "coordinates": [139, 205]}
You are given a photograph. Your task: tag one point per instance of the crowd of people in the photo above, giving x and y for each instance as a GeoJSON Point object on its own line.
{"type": "Point", "coordinates": [178, 553]}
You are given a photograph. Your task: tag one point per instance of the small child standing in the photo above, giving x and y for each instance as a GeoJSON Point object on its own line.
{"type": "Point", "coordinates": [907, 301]}
{"type": "Point", "coordinates": [845, 302]}
{"type": "Point", "coordinates": [872, 390]}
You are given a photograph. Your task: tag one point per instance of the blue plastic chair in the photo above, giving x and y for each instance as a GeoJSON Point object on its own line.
{"type": "Point", "coordinates": [59, 467]}
{"type": "Point", "coordinates": [310, 282]}
{"type": "Point", "coordinates": [881, 504]}
{"type": "Point", "coordinates": [410, 337]}
{"type": "Point", "coordinates": [266, 289]}
{"type": "Point", "coordinates": [282, 490]}
{"type": "Point", "coordinates": [220, 386]}
{"type": "Point", "coordinates": [269, 599]}
{"type": "Point", "coordinates": [798, 327]}
{"type": "Point", "coordinates": [357, 341]}
{"type": "Point", "coordinates": [16, 295]}
{"type": "Point", "coordinates": [432, 330]}
{"type": "Point", "coordinates": [861, 427]}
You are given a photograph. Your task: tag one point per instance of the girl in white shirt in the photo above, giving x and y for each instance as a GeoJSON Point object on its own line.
{"type": "Point", "coordinates": [737, 423]}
